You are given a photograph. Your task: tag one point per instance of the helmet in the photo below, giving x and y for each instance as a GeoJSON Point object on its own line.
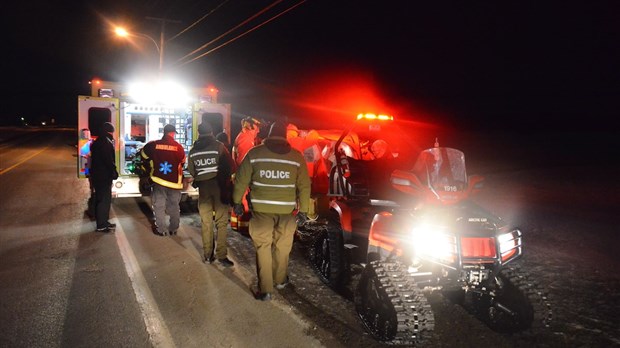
{"type": "Point", "coordinates": [379, 148]}
{"type": "Point", "coordinates": [249, 123]}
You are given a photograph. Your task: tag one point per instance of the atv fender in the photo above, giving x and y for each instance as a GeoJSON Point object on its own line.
{"type": "Point", "coordinates": [384, 238]}
{"type": "Point", "coordinates": [344, 211]}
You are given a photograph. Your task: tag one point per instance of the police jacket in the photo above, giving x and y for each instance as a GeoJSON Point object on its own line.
{"type": "Point", "coordinates": [165, 159]}
{"type": "Point", "coordinates": [209, 159]}
{"type": "Point", "coordinates": [277, 177]}
{"type": "Point", "coordinates": [102, 163]}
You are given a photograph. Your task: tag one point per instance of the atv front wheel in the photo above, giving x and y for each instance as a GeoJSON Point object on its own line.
{"type": "Point", "coordinates": [516, 305]}
{"type": "Point", "coordinates": [391, 306]}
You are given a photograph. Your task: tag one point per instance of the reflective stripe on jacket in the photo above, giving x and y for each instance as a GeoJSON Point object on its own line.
{"type": "Point", "coordinates": [166, 157]}
{"type": "Point", "coordinates": [206, 157]}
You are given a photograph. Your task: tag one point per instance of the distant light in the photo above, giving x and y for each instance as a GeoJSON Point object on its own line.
{"type": "Point", "coordinates": [121, 32]}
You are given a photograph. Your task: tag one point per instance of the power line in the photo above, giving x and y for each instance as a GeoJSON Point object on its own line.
{"type": "Point", "coordinates": [238, 36]}
{"type": "Point", "coordinates": [199, 20]}
{"type": "Point", "coordinates": [231, 30]}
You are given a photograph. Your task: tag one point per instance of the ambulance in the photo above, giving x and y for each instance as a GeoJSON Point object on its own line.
{"type": "Point", "coordinates": [139, 112]}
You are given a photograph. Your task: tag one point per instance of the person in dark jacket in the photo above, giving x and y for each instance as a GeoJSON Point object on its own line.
{"type": "Point", "coordinates": [277, 176]}
{"type": "Point", "coordinates": [210, 164]}
{"type": "Point", "coordinates": [165, 159]}
{"type": "Point", "coordinates": [222, 137]}
{"type": "Point", "coordinates": [102, 173]}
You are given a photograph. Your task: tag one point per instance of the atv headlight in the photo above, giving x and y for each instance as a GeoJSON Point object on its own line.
{"type": "Point", "coordinates": [509, 244]}
{"type": "Point", "coordinates": [433, 243]}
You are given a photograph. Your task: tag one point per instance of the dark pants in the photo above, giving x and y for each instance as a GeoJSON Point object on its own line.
{"type": "Point", "coordinates": [103, 199]}
{"type": "Point", "coordinates": [209, 202]}
{"type": "Point", "coordinates": [166, 201]}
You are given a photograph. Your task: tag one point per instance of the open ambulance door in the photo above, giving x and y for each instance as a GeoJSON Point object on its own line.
{"type": "Point", "coordinates": [218, 115]}
{"type": "Point", "coordinates": [93, 112]}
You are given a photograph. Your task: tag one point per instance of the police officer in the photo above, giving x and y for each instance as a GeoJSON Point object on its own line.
{"type": "Point", "coordinates": [211, 166]}
{"type": "Point", "coordinates": [165, 158]}
{"type": "Point", "coordinates": [102, 173]}
{"type": "Point", "coordinates": [278, 180]}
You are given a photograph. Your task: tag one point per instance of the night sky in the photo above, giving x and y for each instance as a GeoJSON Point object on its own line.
{"type": "Point", "coordinates": [477, 65]}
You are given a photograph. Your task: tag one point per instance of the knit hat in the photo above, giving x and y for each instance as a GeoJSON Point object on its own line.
{"type": "Point", "coordinates": [205, 128]}
{"type": "Point", "coordinates": [277, 129]}
{"type": "Point", "coordinates": [108, 127]}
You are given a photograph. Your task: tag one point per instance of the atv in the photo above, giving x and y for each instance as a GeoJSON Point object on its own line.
{"type": "Point", "coordinates": [443, 241]}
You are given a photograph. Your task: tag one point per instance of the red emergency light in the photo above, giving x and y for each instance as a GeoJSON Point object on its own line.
{"type": "Point", "coordinates": [375, 117]}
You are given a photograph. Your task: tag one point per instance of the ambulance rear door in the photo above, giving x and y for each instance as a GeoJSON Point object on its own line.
{"type": "Point", "coordinates": [218, 115]}
{"type": "Point", "coordinates": [93, 112]}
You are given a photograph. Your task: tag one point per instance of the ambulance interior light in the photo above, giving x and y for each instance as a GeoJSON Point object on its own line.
{"type": "Point", "coordinates": [167, 93]}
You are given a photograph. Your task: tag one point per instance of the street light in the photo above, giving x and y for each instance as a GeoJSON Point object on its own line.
{"type": "Point", "coordinates": [122, 32]}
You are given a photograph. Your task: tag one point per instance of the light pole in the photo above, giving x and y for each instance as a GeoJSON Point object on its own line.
{"type": "Point", "coordinates": [160, 47]}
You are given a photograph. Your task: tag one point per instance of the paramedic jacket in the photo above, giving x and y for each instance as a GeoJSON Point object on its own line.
{"type": "Point", "coordinates": [165, 158]}
{"type": "Point", "coordinates": [277, 176]}
{"type": "Point", "coordinates": [210, 159]}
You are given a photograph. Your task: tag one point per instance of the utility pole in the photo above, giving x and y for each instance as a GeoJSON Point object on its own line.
{"type": "Point", "coordinates": [162, 40]}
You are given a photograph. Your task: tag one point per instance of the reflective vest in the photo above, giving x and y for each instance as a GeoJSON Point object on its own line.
{"type": "Point", "coordinates": [277, 182]}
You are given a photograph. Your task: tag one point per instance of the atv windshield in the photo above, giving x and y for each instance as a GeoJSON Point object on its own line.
{"type": "Point", "coordinates": [442, 169]}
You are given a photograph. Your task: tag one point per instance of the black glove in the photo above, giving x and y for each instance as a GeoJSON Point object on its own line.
{"type": "Point", "coordinates": [114, 175]}
{"type": "Point", "coordinates": [238, 209]}
{"type": "Point", "coordinates": [195, 184]}
{"type": "Point", "coordinates": [302, 218]}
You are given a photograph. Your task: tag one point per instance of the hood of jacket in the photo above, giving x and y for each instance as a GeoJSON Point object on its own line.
{"type": "Point", "coordinates": [278, 145]}
{"type": "Point", "coordinates": [204, 141]}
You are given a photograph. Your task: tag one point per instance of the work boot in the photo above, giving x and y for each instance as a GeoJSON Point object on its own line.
{"type": "Point", "coordinates": [283, 285]}
{"type": "Point", "coordinates": [265, 296]}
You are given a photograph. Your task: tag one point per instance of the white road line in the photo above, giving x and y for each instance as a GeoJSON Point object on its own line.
{"type": "Point", "coordinates": [155, 325]}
